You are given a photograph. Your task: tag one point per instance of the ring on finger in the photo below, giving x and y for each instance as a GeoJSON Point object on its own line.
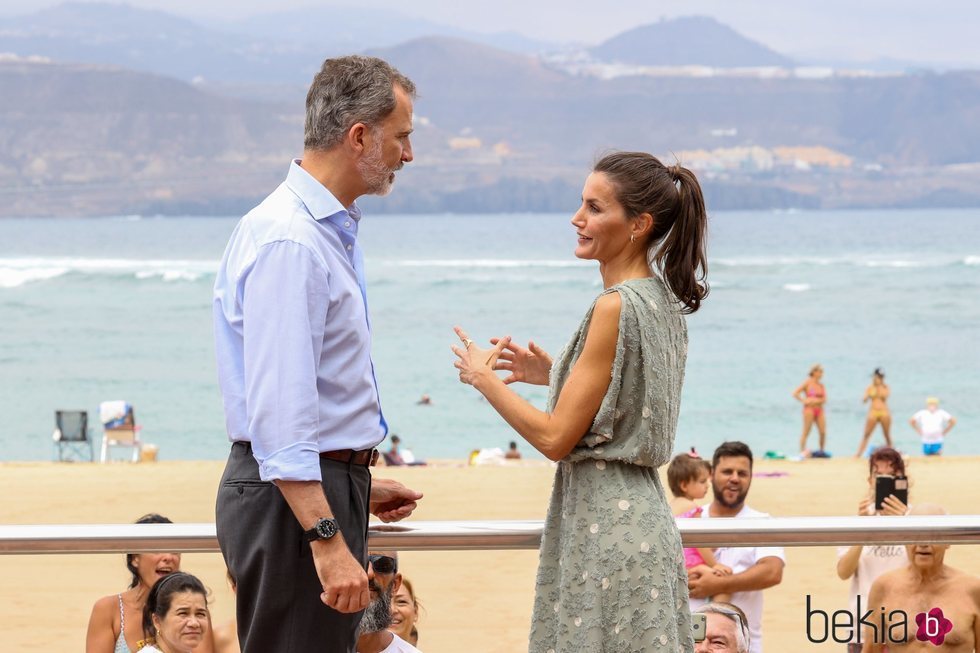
{"type": "Point", "coordinates": [467, 342]}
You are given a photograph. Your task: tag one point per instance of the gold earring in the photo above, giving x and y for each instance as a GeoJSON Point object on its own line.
{"type": "Point", "coordinates": [632, 238]}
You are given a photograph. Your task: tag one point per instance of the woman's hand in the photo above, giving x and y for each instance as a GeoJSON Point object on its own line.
{"type": "Point", "coordinates": [863, 506]}
{"type": "Point", "coordinates": [893, 506]}
{"type": "Point", "coordinates": [474, 362]}
{"type": "Point", "coordinates": [531, 365]}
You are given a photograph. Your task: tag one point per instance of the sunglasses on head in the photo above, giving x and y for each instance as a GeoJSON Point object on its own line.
{"type": "Point", "coordinates": [383, 564]}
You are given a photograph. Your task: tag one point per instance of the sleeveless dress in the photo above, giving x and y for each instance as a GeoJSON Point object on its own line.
{"type": "Point", "coordinates": [611, 574]}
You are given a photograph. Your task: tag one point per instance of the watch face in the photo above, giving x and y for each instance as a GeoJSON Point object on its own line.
{"type": "Point", "coordinates": [326, 528]}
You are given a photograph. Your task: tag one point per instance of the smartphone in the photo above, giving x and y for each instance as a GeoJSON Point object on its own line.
{"type": "Point", "coordinates": [886, 485]}
{"type": "Point", "coordinates": [699, 624]}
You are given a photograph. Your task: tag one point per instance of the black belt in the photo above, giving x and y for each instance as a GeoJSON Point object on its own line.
{"type": "Point", "coordinates": [363, 457]}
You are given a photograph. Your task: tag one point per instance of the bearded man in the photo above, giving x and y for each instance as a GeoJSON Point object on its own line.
{"type": "Point", "coordinates": [753, 568]}
{"type": "Point", "coordinates": [293, 343]}
{"type": "Point", "coordinates": [373, 636]}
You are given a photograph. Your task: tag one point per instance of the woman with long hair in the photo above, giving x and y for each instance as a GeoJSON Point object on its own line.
{"type": "Point", "coordinates": [611, 575]}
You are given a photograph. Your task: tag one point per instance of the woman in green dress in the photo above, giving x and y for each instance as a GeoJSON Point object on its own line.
{"type": "Point", "coordinates": [611, 576]}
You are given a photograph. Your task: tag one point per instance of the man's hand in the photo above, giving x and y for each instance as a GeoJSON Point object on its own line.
{"type": "Point", "coordinates": [703, 585]}
{"type": "Point", "coordinates": [392, 501]}
{"type": "Point", "coordinates": [344, 581]}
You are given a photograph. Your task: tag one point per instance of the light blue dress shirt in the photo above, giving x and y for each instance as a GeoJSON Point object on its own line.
{"type": "Point", "coordinates": [291, 330]}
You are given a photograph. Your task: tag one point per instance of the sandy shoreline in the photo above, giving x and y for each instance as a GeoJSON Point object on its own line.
{"type": "Point", "coordinates": [480, 601]}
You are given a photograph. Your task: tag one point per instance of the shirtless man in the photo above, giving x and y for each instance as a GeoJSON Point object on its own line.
{"type": "Point", "coordinates": [924, 587]}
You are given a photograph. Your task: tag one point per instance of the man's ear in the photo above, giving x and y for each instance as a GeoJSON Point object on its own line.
{"type": "Point", "coordinates": [396, 583]}
{"type": "Point", "coordinates": [356, 136]}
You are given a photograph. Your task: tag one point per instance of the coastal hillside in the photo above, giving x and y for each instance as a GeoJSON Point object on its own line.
{"type": "Point", "coordinates": [693, 40]}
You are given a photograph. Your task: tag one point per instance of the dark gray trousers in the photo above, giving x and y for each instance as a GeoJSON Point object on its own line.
{"type": "Point", "coordinates": [278, 595]}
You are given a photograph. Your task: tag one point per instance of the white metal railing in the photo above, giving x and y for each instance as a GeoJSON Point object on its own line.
{"type": "Point", "coordinates": [492, 535]}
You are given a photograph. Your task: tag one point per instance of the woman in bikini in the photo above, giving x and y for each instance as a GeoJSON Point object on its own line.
{"type": "Point", "coordinates": [812, 395]}
{"type": "Point", "coordinates": [878, 413]}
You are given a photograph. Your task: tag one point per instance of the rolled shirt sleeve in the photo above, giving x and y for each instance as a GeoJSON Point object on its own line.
{"type": "Point", "coordinates": [285, 302]}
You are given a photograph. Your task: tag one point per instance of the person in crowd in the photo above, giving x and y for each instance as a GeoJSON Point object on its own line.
{"type": "Point", "coordinates": [753, 568]}
{"type": "Point", "coordinates": [512, 453]}
{"type": "Point", "coordinates": [726, 629]}
{"type": "Point", "coordinates": [940, 604]}
{"type": "Point", "coordinates": [393, 456]}
{"type": "Point", "coordinates": [932, 423]}
{"type": "Point", "coordinates": [863, 564]}
{"type": "Point", "coordinates": [687, 478]}
{"type": "Point", "coordinates": [424, 400]}
{"type": "Point", "coordinates": [405, 608]}
{"type": "Point", "coordinates": [175, 617]}
{"type": "Point", "coordinates": [374, 633]}
{"type": "Point", "coordinates": [226, 635]}
{"type": "Point", "coordinates": [878, 413]}
{"type": "Point", "coordinates": [813, 395]}
{"type": "Point", "coordinates": [115, 623]}
{"type": "Point", "coordinates": [293, 345]}
{"type": "Point", "coordinates": [612, 415]}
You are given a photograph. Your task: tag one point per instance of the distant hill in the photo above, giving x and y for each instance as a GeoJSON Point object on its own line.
{"type": "Point", "coordinates": [283, 48]}
{"type": "Point", "coordinates": [695, 40]}
{"type": "Point", "coordinates": [495, 130]}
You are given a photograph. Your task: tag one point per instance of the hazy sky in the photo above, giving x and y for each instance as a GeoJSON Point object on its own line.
{"type": "Point", "coordinates": [943, 31]}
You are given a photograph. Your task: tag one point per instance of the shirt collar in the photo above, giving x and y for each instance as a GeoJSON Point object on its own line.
{"type": "Point", "coordinates": [319, 201]}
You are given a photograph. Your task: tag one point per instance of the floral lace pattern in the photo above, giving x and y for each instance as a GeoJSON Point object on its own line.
{"type": "Point", "coordinates": [611, 576]}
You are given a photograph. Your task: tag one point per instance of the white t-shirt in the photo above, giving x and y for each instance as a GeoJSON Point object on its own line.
{"type": "Point", "coordinates": [932, 423]}
{"type": "Point", "coordinates": [740, 559]}
{"type": "Point", "coordinates": [874, 561]}
{"type": "Point", "coordinates": [399, 645]}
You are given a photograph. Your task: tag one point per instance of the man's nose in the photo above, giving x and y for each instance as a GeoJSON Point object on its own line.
{"type": "Point", "coordinates": [407, 155]}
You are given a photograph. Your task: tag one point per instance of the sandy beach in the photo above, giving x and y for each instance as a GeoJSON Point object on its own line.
{"type": "Point", "coordinates": [475, 601]}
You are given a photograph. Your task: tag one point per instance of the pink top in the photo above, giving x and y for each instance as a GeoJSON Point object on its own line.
{"type": "Point", "coordinates": [691, 556]}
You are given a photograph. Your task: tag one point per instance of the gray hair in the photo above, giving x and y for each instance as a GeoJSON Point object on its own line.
{"type": "Point", "coordinates": [735, 614]}
{"type": "Point", "coordinates": [346, 91]}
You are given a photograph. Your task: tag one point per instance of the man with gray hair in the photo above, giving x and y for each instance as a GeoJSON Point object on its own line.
{"type": "Point", "coordinates": [293, 344]}
{"type": "Point", "coordinates": [726, 629]}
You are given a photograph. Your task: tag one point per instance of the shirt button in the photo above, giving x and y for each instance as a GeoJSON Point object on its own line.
{"type": "Point", "coordinates": [349, 248]}
{"type": "Point", "coordinates": [347, 224]}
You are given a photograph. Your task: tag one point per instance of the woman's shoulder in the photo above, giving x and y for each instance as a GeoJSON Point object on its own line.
{"type": "Point", "coordinates": [107, 604]}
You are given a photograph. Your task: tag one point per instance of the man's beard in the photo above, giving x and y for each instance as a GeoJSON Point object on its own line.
{"type": "Point", "coordinates": [377, 616]}
{"type": "Point", "coordinates": [376, 175]}
{"type": "Point", "coordinates": [720, 496]}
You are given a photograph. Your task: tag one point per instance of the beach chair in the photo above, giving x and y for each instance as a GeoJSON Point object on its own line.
{"type": "Point", "coordinates": [119, 428]}
{"type": "Point", "coordinates": [71, 435]}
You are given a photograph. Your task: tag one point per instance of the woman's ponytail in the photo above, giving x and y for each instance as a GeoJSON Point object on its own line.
{"type": "Point", "coordinates": [672, 195]}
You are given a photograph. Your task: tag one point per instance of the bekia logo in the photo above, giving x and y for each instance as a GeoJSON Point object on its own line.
{"type": "Point", "coordinates": [881, 626]}
{"type": "Point", "coordinates": [933, 626]}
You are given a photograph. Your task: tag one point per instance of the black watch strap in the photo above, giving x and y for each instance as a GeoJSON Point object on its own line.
{"type": "Point", "coordinates": [323, 529]}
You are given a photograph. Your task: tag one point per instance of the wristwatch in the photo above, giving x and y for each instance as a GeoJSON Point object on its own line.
{"type": "Point", "coordinates": [323, 529]}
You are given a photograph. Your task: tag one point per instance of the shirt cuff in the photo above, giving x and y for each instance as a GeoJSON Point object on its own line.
{"type": "Point", "coordinates": [294, 462]}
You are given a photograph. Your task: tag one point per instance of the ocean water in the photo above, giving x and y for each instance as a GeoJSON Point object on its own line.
{"type": "Point", "coordinates": [119, 308]}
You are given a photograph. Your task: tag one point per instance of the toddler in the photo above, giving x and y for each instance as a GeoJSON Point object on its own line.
{"type": "Point", "coordinates": [687, 476]}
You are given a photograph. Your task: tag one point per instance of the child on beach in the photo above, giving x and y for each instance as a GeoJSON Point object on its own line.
{"type": "Point", "coordinates": [687, 476]}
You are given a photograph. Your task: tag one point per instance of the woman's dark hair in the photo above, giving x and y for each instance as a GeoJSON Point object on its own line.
{"type": "Point", "coordinates": [151, 518]}
{"type": "Point", "coordinates": [889, 455]}
{"type": "Point", "coordinates": [161, 597]}
{"type": "Point", "coordinates": [880, 373]}
{"type": "Point", "coordinates": [672, 195]}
